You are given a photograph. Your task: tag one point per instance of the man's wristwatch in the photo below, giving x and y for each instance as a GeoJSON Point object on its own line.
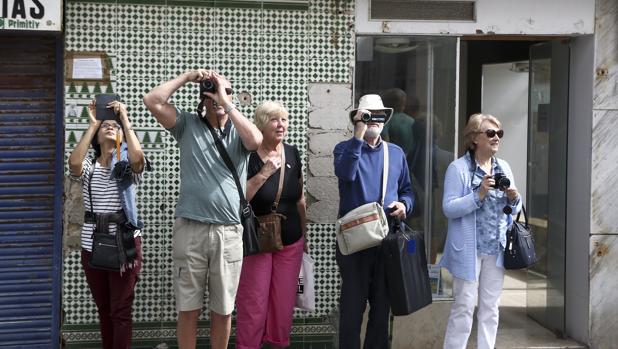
{"type": "Point", "coordinates": [228, 107]}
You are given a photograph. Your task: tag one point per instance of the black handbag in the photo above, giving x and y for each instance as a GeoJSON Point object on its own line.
{"type": "Point", "coordinates": [407, 276]}
{"type": "Point", "coordinates": [106, 248]}
{"type": "Point", "coordinates": [250, 243]}
{"type": "Point", "coordinates": [519, 252]}
{"type": "Point", "coordinates": [105, 254]}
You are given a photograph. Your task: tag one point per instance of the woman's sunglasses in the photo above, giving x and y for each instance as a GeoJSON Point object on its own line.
{"type": "Point", "coordinates": [493, 133]}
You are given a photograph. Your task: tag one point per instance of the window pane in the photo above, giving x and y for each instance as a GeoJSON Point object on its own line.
{"type": "Point", "coordinates": [416, 77]}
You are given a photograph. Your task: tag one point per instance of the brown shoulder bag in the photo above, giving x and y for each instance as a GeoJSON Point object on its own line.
{"type": "Point", "coordinates": [269, 230]}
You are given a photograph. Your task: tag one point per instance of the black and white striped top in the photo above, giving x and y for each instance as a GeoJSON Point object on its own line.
{"type": "Point", "coordinates": [105, 197]}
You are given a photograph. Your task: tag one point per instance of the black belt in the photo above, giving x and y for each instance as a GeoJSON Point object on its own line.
{"type": "Point", "coordinates": [102, 220]}
{"type": "Point", "coordinates": [112, 217]}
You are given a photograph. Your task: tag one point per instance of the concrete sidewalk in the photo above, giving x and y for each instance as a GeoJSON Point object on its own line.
{"type": "Point", "coordinates": [425, 329]}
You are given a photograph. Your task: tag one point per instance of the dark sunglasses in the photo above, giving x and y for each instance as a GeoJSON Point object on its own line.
{"type": "Point", "coordinates": [493, 133]}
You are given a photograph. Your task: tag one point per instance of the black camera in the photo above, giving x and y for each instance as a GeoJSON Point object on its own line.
{"type": "Point", "coordinates": [208, 86]}
{"type": "Point", "coordinates": [501, 181]}
{"type": "Point", "coordinates": [367, 117]}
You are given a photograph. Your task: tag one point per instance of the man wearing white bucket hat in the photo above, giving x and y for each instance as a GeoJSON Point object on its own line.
{"type": "Point", "coordinates": [358, 164]}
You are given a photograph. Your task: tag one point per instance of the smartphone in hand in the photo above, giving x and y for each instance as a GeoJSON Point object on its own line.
{"type": "Point", "coordinates": [103, 112]}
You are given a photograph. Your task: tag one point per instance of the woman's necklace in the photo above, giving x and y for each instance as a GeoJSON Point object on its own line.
{"type": "Point", "coordinates": [265, 154]}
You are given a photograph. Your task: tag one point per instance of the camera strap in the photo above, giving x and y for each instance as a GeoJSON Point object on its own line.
{"type": "Point", "coordinates": [226, 159]}
{"type": "Point", "coordinates": [472, 167]}
{"type": "Point", "coordinates": [507, 210]}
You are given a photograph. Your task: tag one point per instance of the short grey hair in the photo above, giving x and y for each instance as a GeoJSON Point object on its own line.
{"type": "Point", "coordinates": [267, 109]}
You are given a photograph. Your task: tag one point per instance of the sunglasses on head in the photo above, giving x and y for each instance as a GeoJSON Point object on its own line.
{"type": "Point", "coordinates": [492, 133]}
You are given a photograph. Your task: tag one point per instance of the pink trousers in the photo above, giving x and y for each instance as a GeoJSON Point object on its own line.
{"type": "Point", "coordinates": [266, 296]}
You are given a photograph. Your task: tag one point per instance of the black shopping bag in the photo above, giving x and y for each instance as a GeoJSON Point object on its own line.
{"type": "Point", "coordinates": [407, 277]}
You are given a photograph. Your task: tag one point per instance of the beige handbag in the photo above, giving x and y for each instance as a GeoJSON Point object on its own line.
{"type": "Point", "coordinates": [366, 225]}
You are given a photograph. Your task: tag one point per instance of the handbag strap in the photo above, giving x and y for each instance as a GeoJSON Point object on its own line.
{"type": "Point", "coordinates": [523, 208]}
{"type": "Point", "coordinates": [384, 171]}
{"type": "Point", "coordinates": [226, 158]}
{"type": "Point", "coordinates": [281, 177]}
{"type": "Point", "coordinates": [94, 165]}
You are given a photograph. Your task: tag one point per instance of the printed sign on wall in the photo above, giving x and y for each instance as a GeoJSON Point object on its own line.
{"type": "Point", "coordinates": [37, 15]}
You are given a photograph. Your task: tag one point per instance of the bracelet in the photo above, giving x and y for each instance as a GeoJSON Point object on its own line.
{"type": "Point", "coordinates": [228, 107]}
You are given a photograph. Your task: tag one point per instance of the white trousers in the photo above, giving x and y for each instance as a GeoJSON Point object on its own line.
{"type": "Point", "coordinates": [487, 288]}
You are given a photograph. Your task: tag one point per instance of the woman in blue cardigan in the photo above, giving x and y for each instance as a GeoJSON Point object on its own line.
{"type": "Point", "coordinates": [479, 205]}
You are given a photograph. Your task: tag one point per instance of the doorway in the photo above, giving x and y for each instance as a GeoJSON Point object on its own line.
{"type": "Point", "coordinates": [525, 85]}
{"type": "Point", "coordinates": [439, 81]}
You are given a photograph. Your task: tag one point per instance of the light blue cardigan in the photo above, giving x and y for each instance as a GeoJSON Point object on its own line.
{"type": "Point", "coordinates": [459, 207]}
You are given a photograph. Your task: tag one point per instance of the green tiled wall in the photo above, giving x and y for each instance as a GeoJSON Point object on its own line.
{"type": "Point", "coordinates": [271, 52]}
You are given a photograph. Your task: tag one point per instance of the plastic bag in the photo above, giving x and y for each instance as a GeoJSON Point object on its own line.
{"type": "Point", "coordinates": [305, 292]}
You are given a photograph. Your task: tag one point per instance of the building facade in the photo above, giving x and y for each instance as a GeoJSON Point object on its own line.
{"type": "Point", "coordinates": [547, 68]}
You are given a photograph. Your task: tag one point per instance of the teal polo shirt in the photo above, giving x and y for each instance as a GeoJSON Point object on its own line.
{"type": "Point", "coordinates": [207, 188]}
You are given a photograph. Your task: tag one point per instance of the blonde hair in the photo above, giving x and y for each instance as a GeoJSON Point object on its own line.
{"type": "Point", "coordinates": [474, 126]}
{"type": "Point", "coordinates": [265, 110]}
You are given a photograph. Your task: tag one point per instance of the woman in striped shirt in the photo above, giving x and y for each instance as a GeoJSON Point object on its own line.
{"type": "Point", "coordinates": [108, 180]}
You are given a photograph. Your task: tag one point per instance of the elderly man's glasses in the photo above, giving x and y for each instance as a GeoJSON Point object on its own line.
{"type": "Point", "coordinates": [110, 127]}
{"type": "Point", "coordinates": [492, 133]}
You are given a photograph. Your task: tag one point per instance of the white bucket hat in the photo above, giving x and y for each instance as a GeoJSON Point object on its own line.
{"type": "Point", "coordinates": [372, 103]}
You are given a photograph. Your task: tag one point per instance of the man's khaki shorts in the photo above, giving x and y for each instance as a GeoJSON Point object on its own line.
{"type": "Point", "coordinates": [206, 255]}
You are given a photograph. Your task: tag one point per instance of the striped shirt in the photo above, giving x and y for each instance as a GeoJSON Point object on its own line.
{"type": "Point", "coordinates": [105, 197]}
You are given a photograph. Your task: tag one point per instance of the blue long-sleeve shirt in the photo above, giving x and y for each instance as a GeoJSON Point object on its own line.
{"type": "Point", "coordinates": [359, 170]}
{"type": "Point", "coordinates": [491, 222]}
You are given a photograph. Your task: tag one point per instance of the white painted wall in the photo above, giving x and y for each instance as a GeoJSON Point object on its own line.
{"type": "Point", "coordinates": [505, 96]}
{"type": "Point", "coordinates": [516, 17]}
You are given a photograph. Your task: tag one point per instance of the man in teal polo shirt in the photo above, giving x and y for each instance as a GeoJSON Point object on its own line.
{"type": "Point", "coordinates": [207, 242]}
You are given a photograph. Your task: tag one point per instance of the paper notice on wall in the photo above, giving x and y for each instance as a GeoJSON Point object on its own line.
{"type": "Point", "coordinates": [90, 68]}
{"type": "Point", "coordinates": [434, 279]}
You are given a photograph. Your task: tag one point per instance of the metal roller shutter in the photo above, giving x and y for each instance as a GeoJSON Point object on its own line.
{"type": "Point", "coordinates": [31, 154]}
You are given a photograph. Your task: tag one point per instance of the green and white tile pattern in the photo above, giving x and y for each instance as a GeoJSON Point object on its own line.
{"type": "Point", "coordinates": [270, 52]}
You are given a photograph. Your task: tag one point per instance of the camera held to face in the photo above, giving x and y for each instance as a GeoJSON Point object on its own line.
{"type": "Point", "coordinates": [501, 181]}
{"type": "Point", "coordinates": [371, 117]}
{"type": "Point", "coordinates": [211, 87]}
{"type": "Point", "coordinates": [208, 86]}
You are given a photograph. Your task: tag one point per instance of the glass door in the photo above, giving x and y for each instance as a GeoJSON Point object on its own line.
{"type": "Point", "coordinates": [416, 76]}
{"type": "Point", "coordinates": [546, 187]}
